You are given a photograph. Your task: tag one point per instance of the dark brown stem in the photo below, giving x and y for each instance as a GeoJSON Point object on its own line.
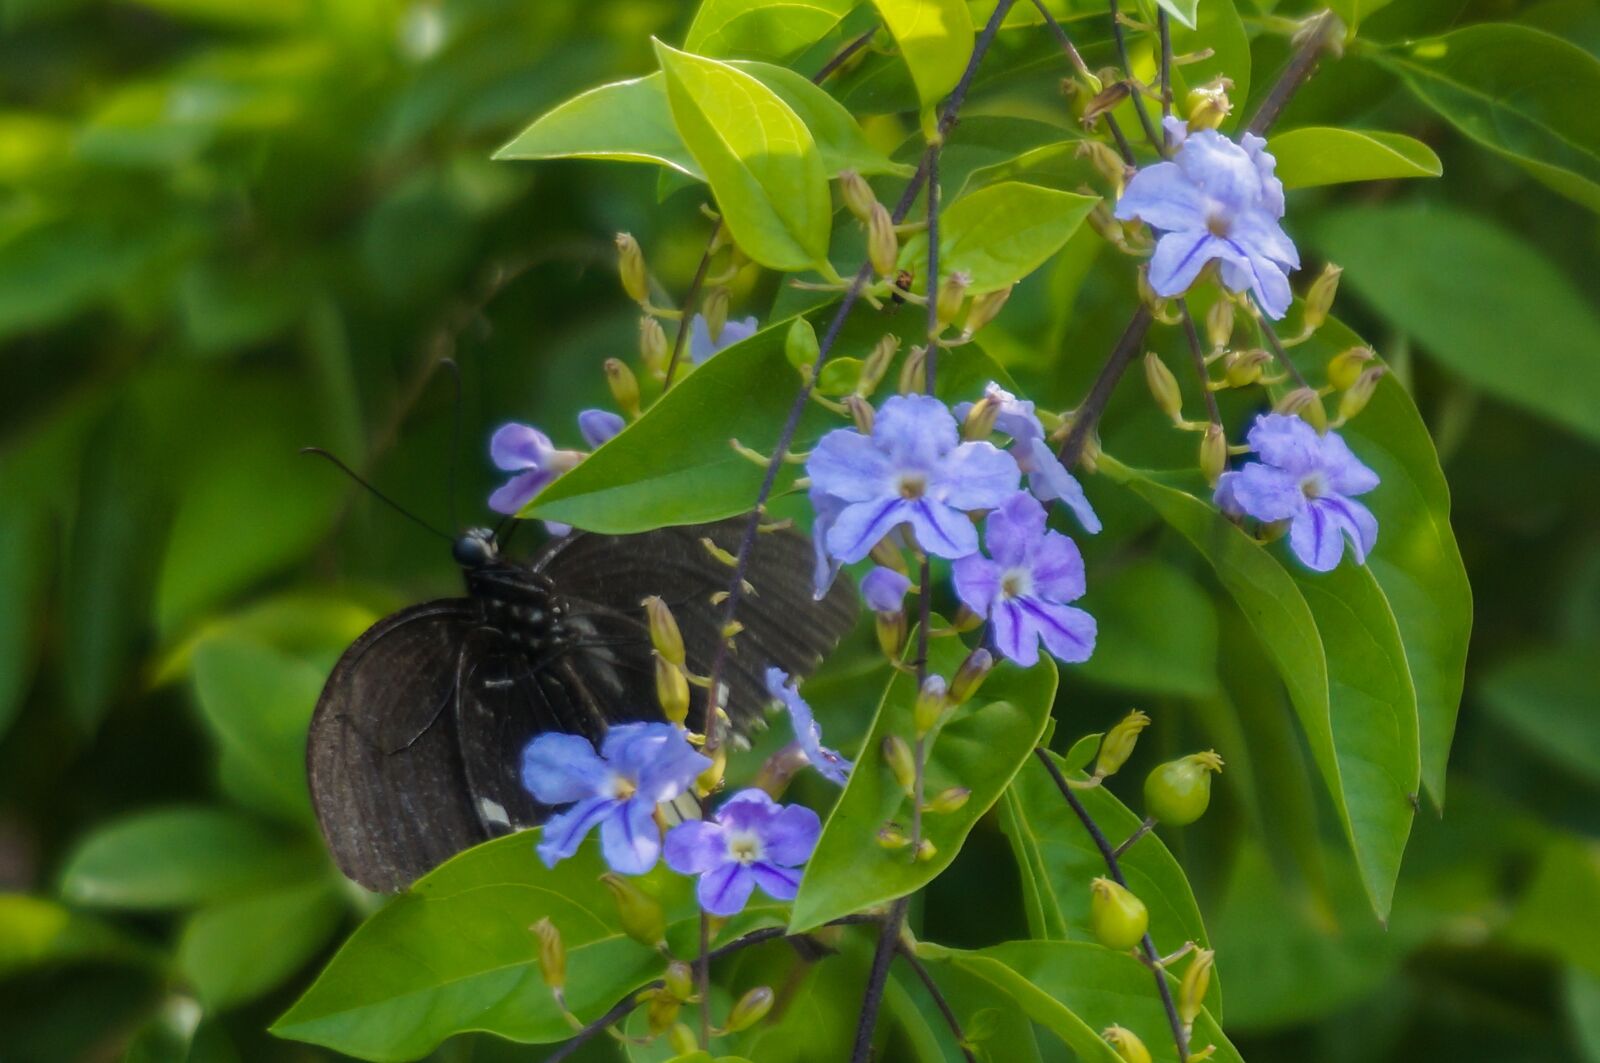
{"type": "Point", "coordinates": [1118, 33]}
{"type": "Point", "coordinates": [843, 55]}
{"type": "Point", "coordinates": [1094, 404]}
{"type": "Point", "coordinates": [1076, 58]}
{"type": "Point", "coordinates": [1197, 355]}
{"type": "Point", "coordinates": [878, 979]}
{"type": "Point", "coordinates": [1301, 66]}
{"type": "Point", "coordinates": [1277, 347]}
{"type": "Point", "coordinates": [702, 978]}
{"type": "Point", "coordinates": [1180, 1036]}
{"type": "Point", "coordinates": [926, 978]}
{"type": "Point", "coordinates": [690, 298]}
{"type": "Point", "coordinates": [1164, 29]}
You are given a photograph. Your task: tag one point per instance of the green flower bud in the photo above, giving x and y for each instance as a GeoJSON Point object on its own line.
{"type": "Point", "coordinates": [1346, 367]}
{"type": "Point", "coordinates": [1205, 107]}
{"type": "Point", "coordinates": [970, 676]}
{"type": "Point", "coordinates": [914, 372]}
{"type": "Point", "coordinates": [664, 633]}
{"type": "Point", "coordinates": [714, 308]}
{"type": "Point", "coordinates": [892, 836]}
{"type": "Point", "coordinates": [639, 913]}
{"type": "Point", "coordinates": [1117, 746]}
{"type": "Point", "coordinates": [952, 295]}
{"type": "Point", "coordinates": [857, 195]}
{"type": "Point", "coordinates": [876, 365]}
{"type": "Point", "coordinates": [1127, 1044]}
{"type": "Point", "coordinates": [654, 350]}
{"type": "Point", "coordinates": [679, 980]}
{"type": "Point", "coordinates": [883, 246]}
{"type": "Point", "coordinates": [1176, 793]}
{"type": "Point", "coordinates": [631, 268]}
{"type": "Point", "coordinates": [1244, 368]}
{"type": "Point", "coordinates": [624, 386]}
{"type": "Point", "coordinates": [891, 630]}
{"type": "Point", "coordinates": [800, 345]}
{"type": "Point", "coordinates": [897, 755]}
{"type": "Point", "coordinates": [1117, 918]}
{"type": "Point", "coordinates": [947, 800]}
{"type": "Point", "coordinates": [1307, 405]}
{"type": "Point", "coordinates": [979, 423]}
{"type": "Point", "coordinates": [1356, 397]}
{"type": "Point", "coordinates": [710, 780]}
{"type": "Point", "coordinates": [552, 954]}
{"type": "Point", "coordinates": [985, 308]}
{"type": "Point", "coordinates": [1319, 297]}
{"type": "Point", "coordinates": [933, 701]}
{"type": "Point", "coordinates": [662, 1012]}
{"type": "Point", "coordinates": [1196, 981]}
{"type": "Point", "coordinates": [1213, 453]}
{"type": "Point", "coordinates": [750, 1009]}
{"type": "Point", "coordinates": [672, 691]}
{"type": "Point", "coordinates": [1219, 323]}
{"type": "Point", "coordinates": [1163, 386]}
{"type": "Point", "coordinates": [926, 851]}
{"type": "Point", "coordinates": [1107, 163]}
{"type": "Point", "coordinates": [683, 1040]}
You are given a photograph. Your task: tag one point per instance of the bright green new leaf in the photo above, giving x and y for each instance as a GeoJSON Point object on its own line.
{"type": "Point", "coordinates": [1323, 155]}
{"type": "Point", "coordinates": [1546, 697]}
{"type": "Point", "coordinates": [1520, 92]}
{"type": "Point", "coordinates": [236, 951]}
{"type": "Point", "coordinates": [1182, 10]}
{"type": "Point", "coordinates": [760, 159]}
{"type": "Point", "coordinates": [935, 39]}
{"type": "Point", "coordinates": [981, 748]}
{"type": "Point", "coordinates": [999, 234]}
{"type": "Point", "coordinates": [763, 29]}
{"type": "Point", "coordinates": [36, 932]}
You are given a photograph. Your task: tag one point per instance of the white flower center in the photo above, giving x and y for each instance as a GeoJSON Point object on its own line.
{"type": "Point", "coordinates": [1016, 583]}
{"type": "Point", "coordinates": [621, 786]}
{"type": "Point", "coordinates": [1219, 224]}
{"type": "Point", "coordinates": [1313, 485]}
{"type": "Point", "coordinates": [912, 484]}
{"type": "Point", "coordinates": [745, 846]}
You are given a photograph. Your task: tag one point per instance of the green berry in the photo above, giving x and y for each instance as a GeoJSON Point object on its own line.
{"type": "Point", "coordinates": [1116, 916]}
{"type": "Point", "coordinates": [1176, 793]}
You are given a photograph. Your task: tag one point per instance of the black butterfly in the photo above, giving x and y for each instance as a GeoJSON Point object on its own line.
{"type": "Point", "coordinates": [415, 746]}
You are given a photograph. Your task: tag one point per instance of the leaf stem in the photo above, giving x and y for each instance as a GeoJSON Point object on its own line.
{"type": "Point", "coordinates": [843, 55]}
{"type": "Point", "coordinates": [1277, 345]}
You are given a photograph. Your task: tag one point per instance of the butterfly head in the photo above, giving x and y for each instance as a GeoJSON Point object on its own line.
{"type": "Point", "coordinates": [475, 548]}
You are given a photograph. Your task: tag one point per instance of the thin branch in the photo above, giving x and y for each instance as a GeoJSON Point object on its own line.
{"type": "Point", "coordinates": [1302, 65]}
{"type": "Point", "coordinates": [1094, 404]}
{"type": "Point", "coordinates": [926, 978]}
{"type": "Point", "coordinates": [843, 56]}
{"type": "Point", "coordinates": [1180, 1037]}
{"type": "Point", "coordinates": [1277, 346]}
{"type": "Point", "coordinates": [1127, 72]}
{"type": "Point", "coordinates": [878, 978]}
{"type": "Point", "coordinates": [1197, 355]}
{"type": "Point", "coordinates": [1076, 58]}
{"type": "Point", "coordinates": [1164, 29]}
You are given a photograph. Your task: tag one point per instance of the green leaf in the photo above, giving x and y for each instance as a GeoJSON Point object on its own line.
{"type": "Point", "coordinates": [935, 39]}
{"type": "Point", "coordinates": [175, 858]}
{"type": "Point", "coordinates": [1157, 632]}
{"type": "Point", "coordinates": [1323, 155]}
{"type": "Point", "coordinates": [1545, 696]}
{"type": "Point", "coordinates": [1182, 10]}
{"type": "Point", "coordinates": [1549, 916]}
{"type": "Point", "coordinates": [454, 954]}
{"type": "Point", "coordinates": [236, 951]}
{"type": "Point", "coordinates": [1075, 990]}
{"type": "Point", "coordinates": [763, 29]}
{"type": "Point", "coordinates": [1583, 1008]}
{"type": "Point", "coordinates": [1334, 641]}
{"type": "Point", "coordinates": [999, 234]}
{"type": "Point", "coordinates": [1218, 30]}
{"type": "Point", "coordinates": [36, 932]}
{"type": "Point", "coordinates": [1522, 93]}
{"type": "Point", "coordinates": [631, 121]}
{"type": "Point", "coordinates": [981, 748]}
{"type": "Point", "coordinates": [1486, 305]}
{"type": "Point", "coordinates": [761, 161]}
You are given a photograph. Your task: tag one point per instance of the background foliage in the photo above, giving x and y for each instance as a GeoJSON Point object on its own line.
{"type": "Point", "coordinates": [228, 229]}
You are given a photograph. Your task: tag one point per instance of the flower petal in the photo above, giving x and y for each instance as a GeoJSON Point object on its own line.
{"type": "Point", "coordinates": [1049, 480]}
{"type": "Point", "coordinates": [916, 429]}
{"type": "Point", "coordinates": [1346, 473]}
{"type": "Point", "coordinates": [1221, 170]}
{"type": "Point", "coordinates": [597, 426]}
{"type": "Point", "coordinates": [824, 569]}
{"type": "Point", "coordinates": [558, 769]}
{"type": "Point", "coordinates": [562, 834]}
{"type": "Point", "coordinates": [515, 447]}
{"type": "Point", "coordinates": [1317, 537]}
{"type": "Point", "coordinates": [1057, 568]}
{"type": "Point", "coordinates": [1265, 493]}
{"type": "Point", "coordinates": [630, 839]}
{"type": "Point", "coordinates": [977, 582]}
{"type": "Point", "coordinates": [695, 847]}
{"type": "Point", "coordinates": [779, 883]}
{"type": "Point", "coordinates": [1179, 258]}
{"type": "Point", "coordinates": [1163, 197]}
{"type": "Point", "coordinates": [725, 889]}
{"type": "Point", "coordinates": [884, 590]}
{"type": "Point", "coordinates": [1068, 632]}
{"type": "Point", "coordinates": [860, 525]}
{"type": "Point", "coordinates": [975, 476]}
{"type": "Point", "coordinates": [807, 732]}
{"type": "Point", "coordinates": [1286, 441]}
{"type": "Point", "coordinates": [518, 491]}
{"type": "Point", "coordinates": [940, 530]}
{"type": "Point", "coordinates": [849, 467]}
{"type": "Point", "coordinates": [657, 757]}
{"type": "Point", "coordinates": [1014, 635]}
{"type": "Point", "coordinates": [791, 835]}
{"type": "Point", "coordinates": [1011, 530]}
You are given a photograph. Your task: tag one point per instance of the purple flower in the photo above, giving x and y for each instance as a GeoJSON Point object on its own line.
{"type": "Point", "coordinates": [754, 842]}
{"type": "Point", "coordinates": [1306, 479]}
{"type": "Point", "coordinates": [1216, 200]}
{"type": "Point", "coordinates": [1023, 585]}
{"type": "Point", "coordinates": [1048, 479]}
{"type": "Point", "coordinates": [639, 766]}
{"type": "Point", "coordinates": [700, 345]}
{"type": "Point", "coordinates": [597, 426]}
{"type": "Point", "coordinates": [884, 590]}
{"type": "Point", "coordinates": [912, 470]}
{"type": "Point", "coordinates": [807, 733]}
{"type": "Point", "coordinates": [826, 510]}
{"type": "Point", "coordinates": [528, 452]}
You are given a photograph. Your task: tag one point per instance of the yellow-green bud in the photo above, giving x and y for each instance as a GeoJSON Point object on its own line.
{"type": "Point", "coordinates": [1213, 454]}
{"type": "Point", "coordinates": [672, 691]}
{"type": "Point", "coordinates": [662, 1012]}
{"type": "Point", "coordinates": [679, 980]}
{"type": "Point", "coordinates": [926, 851]}
{"type": "Point", "coordinates": [1107, 163]}
{"type": "Point", "coordinates": [1243, 368]}
{"type": "Point", "coordinates": [980, 419]}
{"type": "Point", "coordinates": [750, 1009]}
{"type": "Point", "coordinates": [552, 953]}
{"type": "Point", "coordinates": [1127, 1045]}
{"type": "Point", "coordinates": [897, 755]}
{"type": "Point", "coordinates": [1356, 397]}
{"type": "Point", "coordinates": [1319, 297]}
{"type": "Point", "coordinates": [952, 294]}
{"type": "Point", "coordinates": [857, 194]}
{"type": "Point", "coordinates": [985, 308]}
{"type": "Point", "coordinates": [624, 386]}
{"type": "Point", "coordinates": [1219, 323]}
{"type": "Point", "coordinates": [876, 364]}
{"type": "Point", "coordinates": [1207, 105]}
{"type": "Point", "coordinates": [800, 345]}
{"type": "Point", "coordinates": [683, 1040]}
{"type": "Point", "coordinates": [892, 836]}
{"type": "Point", "coordinates": [1346, 367]}
{"type": "Point", "coordinates": [1196, 981]}
{"type": "Point", "coordinates": [914, 372]}
{"type": "Point", "coordinates": [883, 246]}
{"type": "Point", "coordinates": [710, 780]}
{"type": "Point", "coordinates": [1112, 231]}
{"type": "Point", "coordinates": [970, 676]}
{"type": "Point", "coordinates": [933, 700]}
{"type": "Point", "coordinates": [1157, 303]}
{"type": "Point", "coordinates": [891, 630]}
{"type": "Point", "coordinates": [664, 633]}
{"type": "Point", "coordinates": [639, 913]}
{"type": "Point", "coordinates": [1307, 405]}
{"type": "Point", "coordinates": [1176, 793]}
{"type": "Point", "coordinates": [862, 413]}
{"type": "Point", "coordinates": [654, 350]}
{"type": "Point", "coordinates": [1117, 918]}
{"type": "Point", "coordinates": [714, 309]}
{"type": "Point", "coordinates": [1117, 745]}
{"type": "Point", "coordinates": [631, 268]}
{"type": "Point", "coordinates": [1163, 386]}
{"type": "Point", "coordinates": [947, 800]}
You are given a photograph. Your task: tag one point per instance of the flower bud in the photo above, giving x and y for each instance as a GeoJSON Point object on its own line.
{"type": "Point", "coordinates": [683, 1040]}
{"type": "Point", "coordinates": [1346, 367]}
{"type": "Point", "coordinates": [980, 419]}
{"type": "Point", "coordinates": [914, 372]}
{"type": "Point", "coordinates": [624, 386]}
{"type": "Point", "coordinates": [1356, 397]}
{"type": "Point", "coordinates": [1319, 297]}
{"type": "Point", "coordinates": [800, 345]}
{"type": "Point", "coordinates": [1219, 323]}
{"type": "Point", "coordinates": [664, 633]}
{"type": "Point", "coordinates": [662, 1012]}
{"type": "Point", "coordinates": [883, 246]}
{"type": "Point", "coordinates": [952, 294]}
{"type": "Point", "coordinates": [710, 780]}
{"type": "Point", "coordinates": [897, 755]}
{"type": "Point", "coordinates": [1176, 793]}
{"type": "Point", "coordinates": [1127, 1045]}
{"type": "Point", "coordinates": [926, 851]}
{"type": "Point", "coordinates": [1103, 222]}
{"type": "Point", "coordinates": [1107, 163]}
{"type": "Point", "coordinates": [876, 364]}
{"type": "Point", "coordinates": [932, 702]}
{"type": "Point", "coordinates": [1117, 746]}
{"type": "Point", "coordinates": [891, 631]}
{"type": "Point", "coordinates": [1196, 981]}
{"type": "Point", "coordinates": [1213, 454]}
{"type": "Point", "coordinates": [552, 954]}
{"type": "Point", "coordinates": [1307, 405]}
{"type": "Point", "coordinates": [672, 691]}
{"type": "Point", "coordinates": [947, 800]}
{"type": "Point", "coordinates": [1116, 916]}
{"type": "Point", "coordinates": [654, 350]}
{"type": "Point", "coordinates": [679, 980]}
{"type": "Point", "coordinates": [862, 413]}
{"type": "Point", "coordinates": [1163, 386]}
{"type": "Point", "coordinates": [1243, 368]}
{"type": "Point", "coordinates": [639, 913]}
{"type": "Point", "coordinates": [1207, 105]}
{"type": "Point", "coordinates": [985, 308]}
{"type": "Point", "coordinates": [857, 194]}
{"type": "Point", "coordinates": [630, 267]}
{"type": "Point", "coordinates": [970, 676]}
{"type": "Point", "coordinates": [1158, 304]}
{"type": "Point", "coordinates": [892, 836]}
{"type": "Point", "coordinates": [750, 1009]}
{"type": "Point", "coordinates": [714, 308]}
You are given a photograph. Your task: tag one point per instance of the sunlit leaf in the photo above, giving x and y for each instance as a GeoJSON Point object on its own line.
{"type": "Point", "coordinates": [935, 39]}
{"type": "Point", "coordinates": [36, 932]}
{"type": "Point", "coordinates": [761, 29]}
{"type": "Point", "coordinates": [1322, 155]}
{"type": "Point", "coordinates": [999, 234]}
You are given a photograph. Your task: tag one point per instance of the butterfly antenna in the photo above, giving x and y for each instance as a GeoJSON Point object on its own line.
{"type": "Point", "coordinates": [379, 495]}
{"type": "Point", "coordinates": [455, 441]}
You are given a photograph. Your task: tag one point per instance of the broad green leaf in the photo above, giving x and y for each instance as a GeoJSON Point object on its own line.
{"type": "Point", "coordinates": [36, 932]}
{"type": "Point", "coordinates": [935, 39]}
{"type": "Point", "coordinates": [631, 121]}
{"type": "Point", "coordinates": [762, 29]}
{"type": "Point", "coordinates": [1075, 990]}
{"type": "Point", "coordinates": [1182, 10]}
{"type": "Point", "coordinates": [996, 1028]}
{"type": "Point", "coordinates": [237, 950]}
{"type": "Point", "coordinates": [999, 234]}
{"type": "Point", "coordinates": [675, 466]}
{"type": "Point", "coordinates": [1157, 632]}
{"type": "Point", "coordinates": [1323, 155]}
{"type": "Point", "coordinates": [1550, 915]}
{"type": "Point", "coordinates": [454, 954]}
{"type": "Point", "coordinates": [1583, 1008]}
{"type": "Point", "coordinates": [180, 857]}
{"type": "Point", "coordinates": [1485, 304]}
{"type": "Point", "coordinates": [1522, 93]}
{"type": "Point", "coordinates": [312, 624]}
{"type": "Point", "coordinates": [1546, 696]}
{"type": "Point", "coordinates": [981, 748]}
{"type": "Point", "coordinates": [1339, 653]}
{"type": "Point", "coordinates": [760, 160]}
{"type": "Point", "coordinates": [58, 267]}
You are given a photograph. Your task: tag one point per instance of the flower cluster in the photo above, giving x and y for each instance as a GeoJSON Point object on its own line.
{"type": "Point", "coordinates": [535, 461]}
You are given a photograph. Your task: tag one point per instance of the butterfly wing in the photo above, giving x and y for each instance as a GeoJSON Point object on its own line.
{"type": "Point", "coordinates": [387, 779]}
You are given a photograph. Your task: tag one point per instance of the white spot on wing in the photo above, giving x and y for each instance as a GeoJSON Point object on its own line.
{"type": "Point", "coordinates": [493, 813]}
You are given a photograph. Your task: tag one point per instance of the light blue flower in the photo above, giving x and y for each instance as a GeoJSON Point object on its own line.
{"type": "Point", "coordinates": [700, 345]}
{"type": "Point", "coordinates": [1048, 479]}
{"type": "Point", "coordinates": [536, 462]}
{"type": "Point", "coordinates": [754, 841]}
{"type": "Point", "coordinates": [884, 590]}
{"type": "Point", "coordinates": [807, 732]}
{"type": "Point", "coordinates": [639, 766]}
{"type": "Point", "coordinates": [1306, 479]}
{"type": "Point", "coordinates": [1215, 201]}
{"type": "Point", "coordinates": [598, 426]}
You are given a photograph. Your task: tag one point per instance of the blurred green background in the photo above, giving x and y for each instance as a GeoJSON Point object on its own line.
{"type": "Point", "coordinates": [229, 229]}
